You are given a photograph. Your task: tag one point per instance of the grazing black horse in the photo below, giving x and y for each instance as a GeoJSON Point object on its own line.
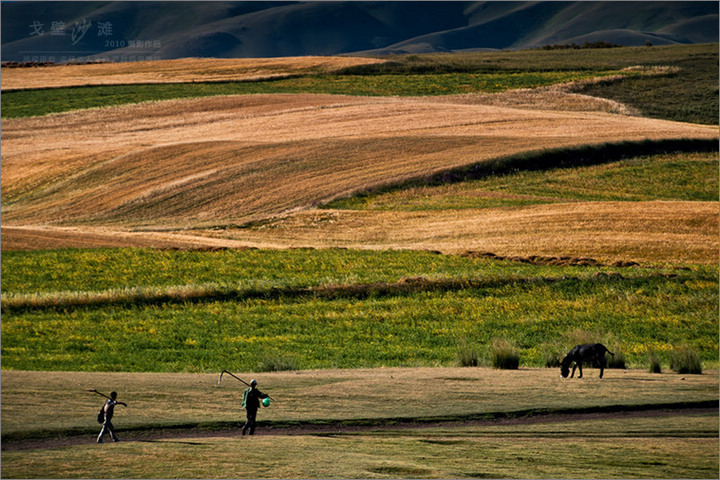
{"type": "Point", "coordinates": [592, 353]}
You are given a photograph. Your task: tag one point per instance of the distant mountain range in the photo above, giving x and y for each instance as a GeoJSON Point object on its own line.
{"type": "Point", "coordinates": [122, 31]}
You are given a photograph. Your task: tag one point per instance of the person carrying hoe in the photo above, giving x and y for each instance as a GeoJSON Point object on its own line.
{"type": "Point", "coordinates": [108, 409]}
{"type": "Point", "coordinates": [251, 403]}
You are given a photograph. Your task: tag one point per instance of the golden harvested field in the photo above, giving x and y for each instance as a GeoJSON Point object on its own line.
{"type": "Point", "coordinates": [666, 232]}
{"type": "Point", "coordinates": [606, 231]}
{"type": "Point", "coordinates": [174, 71]}
{"type": "Point", "coordinates": [187, 172]}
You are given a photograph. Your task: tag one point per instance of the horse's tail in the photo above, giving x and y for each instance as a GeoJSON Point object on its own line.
{"type": "Point", "coordinates": [608, 351]}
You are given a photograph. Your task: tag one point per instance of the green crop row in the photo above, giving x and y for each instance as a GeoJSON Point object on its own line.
{"type": "Point", "coordinates": [677, 176]}
{"type": "Point", "coordinates": [68, 271]}
{"type": "Point", "coordinates": [540, 309]}
{"type": "Point", "coordinates": [97, 270]}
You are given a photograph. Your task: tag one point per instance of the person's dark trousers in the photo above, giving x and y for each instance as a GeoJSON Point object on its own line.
{"type": "Point", "coordinates": [107, 428]}
{"type": "Point", "coordinates": [250, 423]}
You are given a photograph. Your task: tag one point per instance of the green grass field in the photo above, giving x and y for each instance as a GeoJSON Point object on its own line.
{"type": "Point", "coordinates": [536, 60]}
{"type": "Point", "coordinates": [263, 309]}
{"type": "Point", "coordinates": [681, 176]}
{"type": "Point", "coordinates": [689, 95]}
{"type": "Point", "coordinates": [98, 270]}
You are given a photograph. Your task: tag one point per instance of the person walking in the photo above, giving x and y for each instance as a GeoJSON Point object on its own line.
{"type": "Point", "coordinates": [109, 409]}
{"type": "Point", "coordinates": [251, 403]}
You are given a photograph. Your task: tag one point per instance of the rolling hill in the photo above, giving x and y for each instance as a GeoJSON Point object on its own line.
{"type": "Point", "coordinates": [121, 31]}
{"type": "Point", "coordinates": [230, 160]}
{"type": "Point", "coordinates": [263, 168]}
{"type": "Point", "coordinates": [198, 168]}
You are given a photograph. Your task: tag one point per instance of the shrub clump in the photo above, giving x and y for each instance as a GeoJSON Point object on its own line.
{"type": "Point", "coordinates": [505, 355]}
{"type": "Point", "coordinates": [467, 356]}
{"type": "Point", "coordinates": [552, 360]}
{"type": "Point", "coordinates": [685, 359]}
{"type": "Point", "coordinates": [654, 362]}
{"type": "Point", "coordinates": [276, 364]}
{"type": "Point", "coordinates": [553, 354]}
{"type": "Point", "coordinates": [586, 45]}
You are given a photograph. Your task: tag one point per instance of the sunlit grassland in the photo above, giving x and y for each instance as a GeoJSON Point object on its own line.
{"type": "Point", "coordinates": [355, 324]}
{"type": "Point", "coordinates": [681, 176]}
{"type": "Point", "coordinates": [369, 397]}
{"type": "Point", "coordinates": [26, 103]}
{"type": "Point", "coordinates": [102, 269]}
{"type": "Point", "coordinates": [612, 448]}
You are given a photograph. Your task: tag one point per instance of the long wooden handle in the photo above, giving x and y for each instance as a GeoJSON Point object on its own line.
{"type": "Point", "coordinates": [239, 379]}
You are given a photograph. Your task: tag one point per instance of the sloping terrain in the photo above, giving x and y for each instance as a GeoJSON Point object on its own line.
{"type": "Point", "coordinates": [607, 231]}
{"type": "Point", "coordinates": [166, 30]}
{"type": "Point", "coordinates": [260, 160]}
{"type": "Point", "coordinates": [230, 160]}
{"type": "Point", "coordinates": [520, 25]}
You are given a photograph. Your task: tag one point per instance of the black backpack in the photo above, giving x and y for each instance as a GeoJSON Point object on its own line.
{"type": "Point", "coordinates": [101, 415]}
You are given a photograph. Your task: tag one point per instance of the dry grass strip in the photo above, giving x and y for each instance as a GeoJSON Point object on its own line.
{"type": "Point", "coordinates": [644, 232]}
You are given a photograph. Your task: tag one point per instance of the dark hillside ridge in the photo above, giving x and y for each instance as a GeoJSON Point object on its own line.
{"type": "Point", "coordinates": [129, 31]}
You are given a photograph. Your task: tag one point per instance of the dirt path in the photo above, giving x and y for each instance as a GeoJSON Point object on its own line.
{"type": "Point", "coordinates": [186, 435]}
